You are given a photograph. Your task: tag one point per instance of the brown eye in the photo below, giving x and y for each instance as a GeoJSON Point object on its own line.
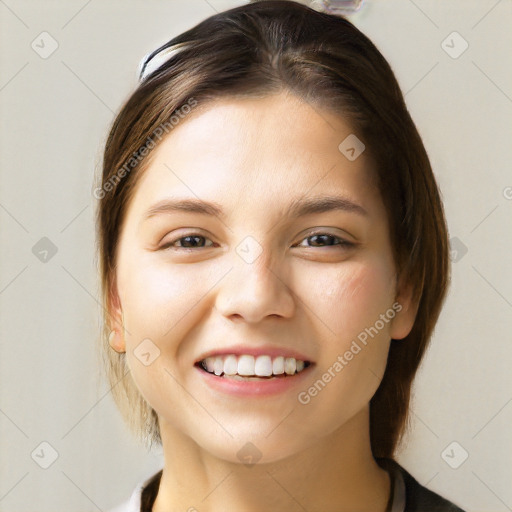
{"type": "Point", "coordinates": [192, 241]}
{"type": "Point", "coordinates": [326, 240]}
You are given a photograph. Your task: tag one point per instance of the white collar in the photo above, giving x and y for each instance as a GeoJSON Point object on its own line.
{"type": "Point", "coordinates": [133, 504]}
{"type": "Point", "coordinates": [398, 504]}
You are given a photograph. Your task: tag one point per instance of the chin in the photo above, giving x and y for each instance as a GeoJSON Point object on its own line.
{"type": "Point", "coordinates": [249, 448]}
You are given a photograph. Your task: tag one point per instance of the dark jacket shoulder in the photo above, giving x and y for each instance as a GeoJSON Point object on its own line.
{"type": "Point", "coordinates": [421, 499]}
{"type": "Point", "coordinates": [417, 497]}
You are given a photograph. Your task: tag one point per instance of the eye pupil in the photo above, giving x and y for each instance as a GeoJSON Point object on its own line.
{"type": "Point", "coordinates": [191, 237]}
{"type": "Point", "coordinates": [323, 239]}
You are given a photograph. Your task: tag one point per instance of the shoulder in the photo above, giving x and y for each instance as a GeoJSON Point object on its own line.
{"type": "Point", "coordinates": [140, 495]}
{"type": "Point", "coordinates": [417, 497]}
{"type": "Point", "coordinates": [421, 499]}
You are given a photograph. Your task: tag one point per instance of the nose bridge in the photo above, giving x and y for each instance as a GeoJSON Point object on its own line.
{"type": "Point", "coordinates": [259, 273]}
{"type": "Point", "coordinates": [254, 289]}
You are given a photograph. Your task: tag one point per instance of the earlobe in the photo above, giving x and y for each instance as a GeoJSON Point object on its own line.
{"type": "Point", "coordinates": [116, 320]}
{"type": "Point", "coordinates": [116, 341]}
{"type": "Point", "coordinates": [406, 309]}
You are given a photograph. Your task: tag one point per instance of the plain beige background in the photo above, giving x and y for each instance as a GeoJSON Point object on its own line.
{"type": "Point", "coordinates": [56, 111]}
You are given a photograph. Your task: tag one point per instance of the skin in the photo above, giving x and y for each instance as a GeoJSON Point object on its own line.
{"type": "Point", "coordinates": [254, 157]}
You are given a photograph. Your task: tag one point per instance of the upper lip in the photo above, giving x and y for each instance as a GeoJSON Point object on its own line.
{"type": "Point", "coordinates": [266, 350]}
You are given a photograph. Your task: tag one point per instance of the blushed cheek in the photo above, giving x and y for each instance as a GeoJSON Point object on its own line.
{"type": "Point", "coordinates": [353, 297]}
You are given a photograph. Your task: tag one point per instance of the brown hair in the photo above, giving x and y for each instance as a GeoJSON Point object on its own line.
{"type": "Point", "coordinates": [260, 49]}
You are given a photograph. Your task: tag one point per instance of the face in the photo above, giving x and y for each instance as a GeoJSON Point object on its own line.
{"type": "Point", "coordinates": [253, 246]}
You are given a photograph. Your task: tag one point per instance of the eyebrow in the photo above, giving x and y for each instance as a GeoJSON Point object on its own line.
{"type": "Point", "coordinates": [298, 207]}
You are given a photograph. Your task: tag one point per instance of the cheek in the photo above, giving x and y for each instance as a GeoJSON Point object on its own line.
{"type": "Point", "coordinates": [159, 303]}
{"type": "Point", "coordinates": [352, 297]}
{"type": "Point", "coordinates": [351, 302]}
{"type": "Point", "coordinates": [156, 297]}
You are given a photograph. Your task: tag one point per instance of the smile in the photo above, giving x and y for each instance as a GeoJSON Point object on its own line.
{"type": "Point", "coordinates": [249, 367]}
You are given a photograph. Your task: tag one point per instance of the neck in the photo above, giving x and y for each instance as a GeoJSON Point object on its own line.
{"type": "Point", "coordinates": [338, 473]}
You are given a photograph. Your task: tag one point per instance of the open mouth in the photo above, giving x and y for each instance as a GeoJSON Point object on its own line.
{"type": "Point", "coordinates": [248, 367]}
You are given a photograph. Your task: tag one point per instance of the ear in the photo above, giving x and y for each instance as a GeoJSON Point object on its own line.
{"type": "Point", "coordinates": [406, 309]}
{"type": "Point", "coordinates": [115, 319]}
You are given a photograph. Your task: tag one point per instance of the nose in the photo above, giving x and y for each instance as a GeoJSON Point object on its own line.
{"type": "Point", "coordinates": [254, 291]}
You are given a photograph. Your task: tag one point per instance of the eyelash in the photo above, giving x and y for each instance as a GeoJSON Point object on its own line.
{"type": "Point", "coordinates": [342, 243]}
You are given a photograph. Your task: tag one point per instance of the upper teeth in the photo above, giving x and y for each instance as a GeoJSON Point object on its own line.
{"type": "Point", "coordinates": [246, 365]}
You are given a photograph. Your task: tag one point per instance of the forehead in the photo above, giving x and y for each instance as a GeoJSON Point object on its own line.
{"type": "Point", "coordinates": [253, 150]}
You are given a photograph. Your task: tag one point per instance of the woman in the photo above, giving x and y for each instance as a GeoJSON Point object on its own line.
{"type": "Point", "coordinates": [274, 258]}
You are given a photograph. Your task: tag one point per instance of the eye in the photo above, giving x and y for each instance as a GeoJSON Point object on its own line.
{"type": "Point", "coordinates": [198, 241]}
{"type": "Point", "coordinates": [191, 241]}
{"type": "Point", "coordinates": [326, 240]}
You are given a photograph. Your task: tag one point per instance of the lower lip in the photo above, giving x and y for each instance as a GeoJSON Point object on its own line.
{"type": "Point", "coordinates": [263, 387]}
